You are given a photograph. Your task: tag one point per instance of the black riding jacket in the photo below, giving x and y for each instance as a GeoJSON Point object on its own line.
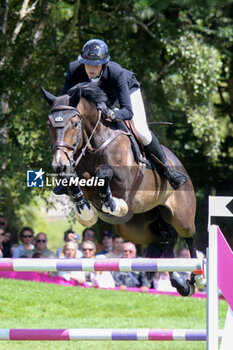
{"type": "Point", "coordinates": [118, 83]}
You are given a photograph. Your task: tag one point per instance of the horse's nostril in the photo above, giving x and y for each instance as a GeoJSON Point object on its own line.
{"type": "Point", "coordinates": [58, 167]}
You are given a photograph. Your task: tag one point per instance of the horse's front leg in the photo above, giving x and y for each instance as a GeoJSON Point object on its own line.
{"type": "Point", "coordinates": [109, 204]}
{"type": "Point", "coordinates": [85, 213]}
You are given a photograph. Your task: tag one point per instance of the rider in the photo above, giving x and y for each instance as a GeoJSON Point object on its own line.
{"type": "Point", "coordinates": [122, 89]}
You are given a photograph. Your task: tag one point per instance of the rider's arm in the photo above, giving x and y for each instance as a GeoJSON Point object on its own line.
{"type": "Point", "coordinates": [125, 112]}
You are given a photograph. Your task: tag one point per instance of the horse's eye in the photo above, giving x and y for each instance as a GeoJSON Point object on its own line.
{"type": "Point", "coordinates": [75, 125]}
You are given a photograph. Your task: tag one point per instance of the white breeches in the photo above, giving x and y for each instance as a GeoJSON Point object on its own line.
{"type": "Point", "coordinates": [139, 117]}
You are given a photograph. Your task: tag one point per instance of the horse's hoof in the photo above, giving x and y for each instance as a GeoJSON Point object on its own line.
{"type": "Point", "coordinates": [200, 281]}
{"type": "Point", "coordinates": [121, 208]}
{"type": "Point", "coordinates": [184, 287]}
{"type": "Point", "coordinates": [87, 217]}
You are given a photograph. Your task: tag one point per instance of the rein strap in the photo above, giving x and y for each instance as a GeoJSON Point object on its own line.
{"type": "Point", "coordinates": [83, 150]}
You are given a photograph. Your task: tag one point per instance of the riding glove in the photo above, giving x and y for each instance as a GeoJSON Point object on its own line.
{"type": "Point", "coordinates": [106, 111]}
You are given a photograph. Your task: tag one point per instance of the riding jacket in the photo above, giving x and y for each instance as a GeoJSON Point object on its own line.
{"type": "Point", "coordinates": [117, 83]}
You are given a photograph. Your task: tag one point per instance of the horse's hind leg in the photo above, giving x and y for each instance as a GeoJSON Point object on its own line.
{"type": "Point", "coordinates": [167, 243]}
{"type": "Point", "coordinates": [196, 278]}
{"type": "Point", "coordinates": [192, 249]}
{"type": "Point", "coordinates": [109, 204]}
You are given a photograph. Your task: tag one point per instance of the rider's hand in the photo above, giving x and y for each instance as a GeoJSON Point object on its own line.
{"type": "Point", "coordinates": [106, 112]}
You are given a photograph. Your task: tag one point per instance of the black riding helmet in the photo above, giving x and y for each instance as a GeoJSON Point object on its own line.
{"type": "Point", "coordinates": [94, 53]}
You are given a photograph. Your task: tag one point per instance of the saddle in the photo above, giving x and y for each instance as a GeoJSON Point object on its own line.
{"type": "Point", "coordinates": [140, 154]}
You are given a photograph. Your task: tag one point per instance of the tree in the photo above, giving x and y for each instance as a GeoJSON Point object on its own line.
{"type": "Point", "coordinates": [180, 50]}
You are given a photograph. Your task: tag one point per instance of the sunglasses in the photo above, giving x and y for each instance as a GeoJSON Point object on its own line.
{"type": "Point", "coordinates": [89, 235]}
{"type": "Point", "coordinates": [85, 249]}
{"type": "Point", "coordinates": [41, 240]}
{"type": "Point", "coordinates": [27, 236]}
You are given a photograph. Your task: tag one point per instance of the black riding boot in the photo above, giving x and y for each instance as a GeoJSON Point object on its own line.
{"type": "Point", "coordinates": [176, 178]}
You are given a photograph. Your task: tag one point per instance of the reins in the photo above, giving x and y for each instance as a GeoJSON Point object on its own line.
{"type": "Point", "coordinates": [88, 141]}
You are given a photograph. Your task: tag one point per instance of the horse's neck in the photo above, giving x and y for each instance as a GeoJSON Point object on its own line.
{"type": "Point", "coordinates": [94, 126]}
{"type": "Point", "coordinates": [98, 131]}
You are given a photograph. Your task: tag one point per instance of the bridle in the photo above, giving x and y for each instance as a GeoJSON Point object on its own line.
{"type": "Point", "coordinates": [59, 116]}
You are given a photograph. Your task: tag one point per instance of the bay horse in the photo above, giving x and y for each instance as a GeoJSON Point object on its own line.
{"type": "Point", "coordinates": [132, 195]}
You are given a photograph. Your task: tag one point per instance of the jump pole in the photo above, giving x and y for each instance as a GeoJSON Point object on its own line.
{"type": "Point", "coordinates": [139, 264]}
{"type": "Point", "coordinates": [113, 334]}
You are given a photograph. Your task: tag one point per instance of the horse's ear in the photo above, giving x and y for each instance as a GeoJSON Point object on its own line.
{"type": "Point", "coordinates": [49, 97]}
{"type": "Point", "coordinates": [75, 97]}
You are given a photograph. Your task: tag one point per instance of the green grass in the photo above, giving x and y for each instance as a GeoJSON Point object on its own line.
{"type": "Point", "coordinates": [37, 305]}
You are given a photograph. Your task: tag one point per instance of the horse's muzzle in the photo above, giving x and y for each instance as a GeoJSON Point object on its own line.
{"type": "Point", "coordinates": [59, 168]}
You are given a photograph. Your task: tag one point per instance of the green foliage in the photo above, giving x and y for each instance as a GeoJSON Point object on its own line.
{"type": "Point", "coordinates": [192, 85]}
{"type": "Point", "coordinates": [207, 130]}
{"type": "Point", "coordinates": [180, 50]}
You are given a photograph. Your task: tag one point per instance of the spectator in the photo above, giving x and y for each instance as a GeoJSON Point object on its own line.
{"type": "Point", "coordinates": [70, 235]}
{"type": "Point", "coordinates": [88, 249]}
{"type": "Point", "coordinates": [131, 279]}
{"type": "Point", "coordinates": [5, 251]}
{"type": "Point", "coordinates": [102, 279]}
{"type": "Point", "coordinates": [37, 256]}
{"type": "Point", "coordinates": [12, 230]}
{"type": "Point", "coordinates": [2, 233]}
{"type": "Point", "coordinates": [106, 241]}
{"type": "Point", "coordinates": [183, 253]}
{"type": "Point", "coordinates": [118, 247]}
{"type": "Point", "coordinates": [26, 237]}
{"type": "Point", "coordinates": [69, 251]}
{"type": "Point", "coordinates": [88, 234]}
{"type": "Point", "coordinates": [41, 247]}
{"type": "Point", "coordinates": [161, 282]}
{"type": "Point", "coordinates": [8, 236]}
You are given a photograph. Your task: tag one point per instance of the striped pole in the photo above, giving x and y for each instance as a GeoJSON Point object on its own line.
{"type": "Point", "coordinates": [134, 334]}
{"type": "Point", "coordinates": [138, 264]}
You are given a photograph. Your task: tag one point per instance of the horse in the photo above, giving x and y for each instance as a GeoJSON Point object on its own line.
{"type": "Point", "coordinates": [125, 192]}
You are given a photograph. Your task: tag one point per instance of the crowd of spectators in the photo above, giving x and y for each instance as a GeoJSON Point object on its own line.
{"type": "Point", "coordinates": [109, 246]}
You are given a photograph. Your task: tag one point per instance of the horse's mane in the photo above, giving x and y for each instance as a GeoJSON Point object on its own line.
{"type": "Point", "coordinates": [90, 91]}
